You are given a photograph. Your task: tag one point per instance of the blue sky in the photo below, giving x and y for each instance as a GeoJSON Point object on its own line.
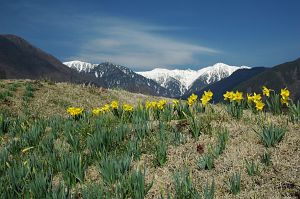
{"type": "Point", "coordinates": [146, 34]}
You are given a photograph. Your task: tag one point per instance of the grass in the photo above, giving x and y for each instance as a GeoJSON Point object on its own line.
{"type": "Point", "coordinates": [46, 154]}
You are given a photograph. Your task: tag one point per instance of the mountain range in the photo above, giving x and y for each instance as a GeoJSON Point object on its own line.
{"type": "Point", "coordinates": [21, 60]}
{"type": "Point", "coordinates": [172, 83]}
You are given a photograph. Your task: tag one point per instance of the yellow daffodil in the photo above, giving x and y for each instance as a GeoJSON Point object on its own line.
{"type": "Point", "coordinates": [249, 97]}
{"type": "Point", "coordinates": [228, 95]}
{"type": "Point", "coordinates": [114, 105]}
{"type": "Point", "coordinates": [266, 91]}
{"type": "Point", "coordinates": [74, 111]}
{"type": "Point", "coordinates": [192, 99]}
{"type": "Point", "coordinates": [209, 94]}
{"type": "Point", "coordinates": [259, 105]}
{"type": "Point", "coordinates": [175, 102]}
{"type": "Point", "coordinates": [106, 108]}
{"type": "Point", "coordinates": [96, 111]}
{"type": "Point", "coordinates": [256, 97]}
{"type": "Point", "coordinates": [161, 104]}
{"type": "Point", "coordinates": [284, 101]}
{"type": "Point", "coordinates": [285, 93]}
{"type": "Point", "coordinates": [206, 97]}
{"type": "Point", "coordinates": [151, 105]}
{"type": "Point", "coordinates": [238, 96]}
{"type": "Point", "coordinates": [127, 107]}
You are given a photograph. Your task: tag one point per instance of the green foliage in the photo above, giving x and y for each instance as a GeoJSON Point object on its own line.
{"type": "Point", "coordinates": [273, 103]}
{"type": "Point", "coordinates": [137, 188]}
{"type": "Point", "coordinates": [195, 126]}
{"type": "Point", "coordinates": [184, 187]}
{"type": "Point", "coordinates": [113, 168]}
{"type": "Point", "coordinates": [72, 166]}
{"type": "Point", "coordinates": [266, 158]}
{"type": "Point", "coordinates": [5, 94]}
{"type": "Point", "coordinates": [206, 162]}
{"type": "Point", "coordinates": [234, 183]}
{"type": "Point", "coordinates": [93, 191]}
{"type": "Point", "coordinates": [223, 136]}
{"type": "Point", "coordinates": [179, 138]}
{"type": "Point", "coordinates": [271, 135]}
{"type": "Point", "coordinates": [209, 190]}
{"type": "Point", "coordinates": [161, 148]}
{"type": "Point", "coordinates": [4, 124]}
{"type": "Point", "coordinates": [235, 109]}
{"type": "Point", "coordinates": [294, 112]}
{"type": "Point", "coordinates": [252, 168]}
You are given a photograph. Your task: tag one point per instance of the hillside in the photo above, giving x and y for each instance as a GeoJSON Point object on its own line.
{"type": "Point", "coordinates": [45, 152]}
{"type": "Point", "coordinates": [21, 60]}
{"type": "Point", "coordinates": [282, 75]}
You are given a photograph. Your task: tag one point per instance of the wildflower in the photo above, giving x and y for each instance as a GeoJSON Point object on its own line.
{"type": "Point", "coordinates": [237, 96]}
{"type": "Point", "coordinates": [206, 97]}
{"type": "Point", "coordinates": [259, 105]}
{"type": "Point", "coordinates": [96, 111]}
{"type": "Point", "coordinates": [266, 91]}
{"type": "Point", "coordinates": [74, 111]}
{"type": "Point", "coordinates": [114, 105]}
{"type": "Point", "coordinates": [285, 93]}
{"type": "Point", "coordinates": [175, 102]}
{"type": "Point", "coordinates": [228, 95]}
{"type": "Point", "coordinates": [161, 104]}
{"type": "Point", "coordinates": [128, 107]}
{"type": "Point", "coordinates": [249, 97]}
{"type": "Point", "coordinates": [256, 97]}
{"type": "Point", "coordinates": [192, 99]}
{"type": "Point", "coordinates": [284, 101]}
{"type": "Point", "coordinates": [150, 105]}
{"type": "Point", "coordinates": [209, 94]}
{"type": "Point", "coordinates": [105, 108]}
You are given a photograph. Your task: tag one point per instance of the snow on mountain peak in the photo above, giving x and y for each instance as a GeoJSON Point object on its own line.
{"type": "Point", "coordinates": [80, 66]}
{"type": "Point", "coordinates": [186, 77]}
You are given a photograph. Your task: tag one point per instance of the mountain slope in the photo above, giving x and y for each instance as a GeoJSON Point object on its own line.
{"type": "Point", "coordinates": [21, 60]}
{"type": "Point", "coordinates": [190, 80]}
{"type": "Point", "coordinates": [282, 75]}
{"type": "Point", "coordinates": [229, 83]}
{"type": "Point", "coordinates": [116, 76]}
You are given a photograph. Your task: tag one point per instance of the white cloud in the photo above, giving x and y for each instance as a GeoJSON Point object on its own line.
{"type": "Point", "coordinates": [137, 45]}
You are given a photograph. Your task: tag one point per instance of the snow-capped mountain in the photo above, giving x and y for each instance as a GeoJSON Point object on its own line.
{"type": "Point", "coordinates": [116, 76]}
{"type": "Point", "coordinates": [190, 79]}
{"type": "Point", "coordinates": [80, 66]}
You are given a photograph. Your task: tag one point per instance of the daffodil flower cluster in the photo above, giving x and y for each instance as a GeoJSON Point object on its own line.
{"type": "Point", "coordinates": [161, 104]}
{"type": "Point", "coordinates": [114, 105]}
{"type": "Point", "coordinates": [192, 99]}
{"type": "Point", "coordinates": [127, 107]}
{"type": "Point", "coordinates": [285, 93]}
{"type": "Point", "coordinates": [233, 96]}
{"type": "Point", "coordinates": [104, 109]}
{"type": "Point", "coordinates": [151, 105]}
{"type": "Point", "coordinates": [74, 111]}
{"type": "Point", "coordinates": [206, 97]}
{"type": "Point", "coordinates": [257, 99]}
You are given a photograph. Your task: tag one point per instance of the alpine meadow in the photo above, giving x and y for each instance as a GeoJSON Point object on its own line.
{"type": "Point", "coordinates": [149, 99]}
